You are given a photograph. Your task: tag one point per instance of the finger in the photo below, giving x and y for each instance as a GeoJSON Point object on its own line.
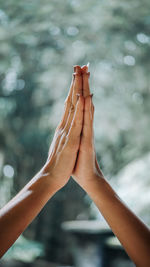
{"type": "Point", "coordinates": [58, 134]}
{"type": "Point", "coordinates": [61, 143]}
{"type": "Point", "coordinates": [77, 122]}
{"type": "Point", "coordinates": [77, 84]}
{"type": "Point", "coordinates": [54, 145]}
{"type": "Point", "coordinates": [88, 119]}
{"type": "Point", "coordinates": [76, 92]}
{"type": "Point", "coordinates": [69, 96]}
{"type": "Point", "coordinates": [52, 149]}
{"type": "Point", "coordinates": [70, 117]}
{"type": "Point", "coordinates": [59, 137]}
{"type": "Point", "coordinates": [86, 86]}
{"type": "Point", "coordinates": [68, 103]}
{"type": "Point", "coordinates": [77, 70]}
{"type": "Point", "coordinates": [85, 76]}
{"type": "Point", "coordinates": [71, 140]}
{"type": "Point", "coordinates": [84, 69]}
{"type": "Point", "coordinates": [71, 99]}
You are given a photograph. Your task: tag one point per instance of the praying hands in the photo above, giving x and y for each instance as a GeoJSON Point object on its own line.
{"type": "Point", "coordinates": [72, 153]}
{"type": "Point", "coordinates": [73, 143]}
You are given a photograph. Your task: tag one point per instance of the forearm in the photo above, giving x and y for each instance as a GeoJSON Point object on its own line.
{"type": "Point", "coordinates": [22, 209]}
{"type": "Point", "coordinates": [132, 233]}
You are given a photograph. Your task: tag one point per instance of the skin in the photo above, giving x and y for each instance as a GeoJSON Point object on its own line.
{"type": "Point", "coordinates": [130, 230]}
{"type": "Point", "coordinates": [73, 146]}
{"type": "Point", "coordinates": [22, 209]}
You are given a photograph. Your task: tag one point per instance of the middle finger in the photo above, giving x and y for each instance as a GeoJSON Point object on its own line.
{"type": "Point", "coordinates": [86, 86]}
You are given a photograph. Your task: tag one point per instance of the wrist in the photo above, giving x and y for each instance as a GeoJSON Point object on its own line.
{"type": "Point", "coordinates": [93, 181]}
{"type": "Point", "coordinates": [55, 180]}
{"type": "Point", "coordinates": [48, 180]}
{"type": "Point", "coordinates": [100, 190]}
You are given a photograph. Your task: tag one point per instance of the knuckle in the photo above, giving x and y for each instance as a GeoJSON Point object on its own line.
{"type": "Point", "coordinates": [59, 131]}
{"type": "Point", "coordinates": [63, 140]}
{"type": "Point", "coordinates": [72, 108]}
{"type": "Point", "coordinates": [67, 101]}
{"type": "Point", "coordinates": [79, 91]}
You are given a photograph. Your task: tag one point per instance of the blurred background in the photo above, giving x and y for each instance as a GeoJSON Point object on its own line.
{"type": "Point", "coordinates": [40, 41]}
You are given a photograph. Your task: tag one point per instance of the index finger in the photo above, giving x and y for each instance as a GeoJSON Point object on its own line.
{"type": "Point", "coordinates": [86, 86]}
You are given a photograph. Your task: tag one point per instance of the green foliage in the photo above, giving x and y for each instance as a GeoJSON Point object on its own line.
{"type": "Point", "coordinates": [39, 42]}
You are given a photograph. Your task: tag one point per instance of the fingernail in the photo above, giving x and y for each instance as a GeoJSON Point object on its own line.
{"type": "Point", "coordinates": [91, 95]}
{"type": "Point", "coordinates": [88, 64]}
{"type": "Point", "coordinates": [74, 68]}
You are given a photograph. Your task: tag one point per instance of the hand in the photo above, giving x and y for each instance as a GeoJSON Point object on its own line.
{"type": "Point", "coordinates": [65, 144]}
{"type": "Point", "coordinates": [86, 168]}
